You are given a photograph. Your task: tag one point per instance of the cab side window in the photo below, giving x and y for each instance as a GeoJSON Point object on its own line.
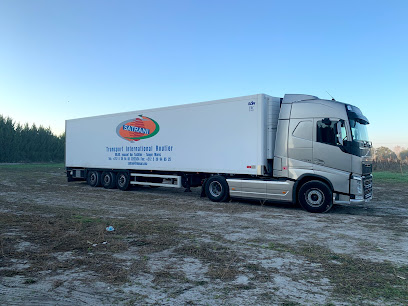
{"type": "Point", "coordinates": [327, 133]}
{"type": "Point", "coordinates": [304, 130]}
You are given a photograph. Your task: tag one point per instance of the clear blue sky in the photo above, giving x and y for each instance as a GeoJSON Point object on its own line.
{"type": "Point", "coordinates": [68, 59]}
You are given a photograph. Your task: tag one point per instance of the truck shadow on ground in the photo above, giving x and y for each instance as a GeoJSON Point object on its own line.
{"type": "Point", "coordinates": [373, 208]}
{"type": "Point", "coordinates": [336, 209]}
{"type": "Point", "coordinates": [267, 204]}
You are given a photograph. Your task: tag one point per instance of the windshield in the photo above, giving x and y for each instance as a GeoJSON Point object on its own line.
{"type": "Point", "coordinates": [358, 131]}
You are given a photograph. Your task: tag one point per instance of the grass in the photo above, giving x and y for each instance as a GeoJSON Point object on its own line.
{"type": "Point", "coordinates": [355, 278]}
{"type": "Point", "coordinates": [82, 235]}
{"type": "Point", "coordinates": [222, 261]}
{"type": "Point", "coordinates": [63, 238]}
{"type": "Point", "coordinates": [390, 177]}
{"type": "Point", "coordinates": [31, 166]}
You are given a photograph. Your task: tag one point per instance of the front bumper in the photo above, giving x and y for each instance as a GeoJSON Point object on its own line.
{"type": "Point", "coordinates": [361, 188]}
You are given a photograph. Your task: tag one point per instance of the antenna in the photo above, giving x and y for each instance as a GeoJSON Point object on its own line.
{"type": "Point", "coordinates": [333, 99]}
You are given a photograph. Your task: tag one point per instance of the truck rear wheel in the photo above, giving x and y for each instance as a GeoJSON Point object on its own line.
{"type": "Point", "coordinates": [94, 178]}
{"type": "Point", "coordinates": [108, 179]}
{"type": "Point", "coordinates": [217, 189]}
{"type": "Point", "coordinates": [122, 180]}
{"type": "Point", "coordinates": [315, 197]}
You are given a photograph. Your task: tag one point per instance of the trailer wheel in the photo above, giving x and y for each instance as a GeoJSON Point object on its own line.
{"type": "Point", "coordinates": [94, 178]}
{"type": "Point", "coordinates": [122, 180]}
{"type": "Point", "coordinates": [108, 179]}
{"type": "Point", "coordinates": [217, 189]}
{"type": "Point", "coordinates": [315, 197]}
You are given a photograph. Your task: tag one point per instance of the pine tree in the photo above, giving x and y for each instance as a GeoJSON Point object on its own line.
{"type": "Point", "coordinates": [29, 144]}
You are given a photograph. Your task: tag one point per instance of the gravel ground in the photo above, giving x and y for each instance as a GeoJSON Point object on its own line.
{"type": "Point", "coordinates": [171, 247]}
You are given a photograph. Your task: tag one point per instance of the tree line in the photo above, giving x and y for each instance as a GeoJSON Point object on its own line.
{"type": "Point", "coordinates": [24, 143]}
{"type": "Point", "coordinates": [385, 159]}
{"type": "Point", "coordinates": [386, 154]}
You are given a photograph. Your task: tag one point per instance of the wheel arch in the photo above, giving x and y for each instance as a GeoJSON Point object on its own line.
{"type": "Point", "coordinates": [307, 178]}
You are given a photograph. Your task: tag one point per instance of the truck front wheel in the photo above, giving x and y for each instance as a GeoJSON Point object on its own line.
{"type": "Point", "coordinates": [315, 197]}
{"type": "Point", "coordinates": [94, 178]}
{"type": "Point", "coordinates": [217, 189]}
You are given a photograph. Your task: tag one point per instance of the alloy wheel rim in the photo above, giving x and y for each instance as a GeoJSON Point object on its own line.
{"type": "Point", "coordinates": [215, 189]}
{"type": "Point", "coordinates": [315, 197]}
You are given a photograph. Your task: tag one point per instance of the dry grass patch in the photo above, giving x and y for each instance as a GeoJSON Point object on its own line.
{"type": "Point", "coordinates": [355, 278]}
{"type": "Point", "coordinates": [84, 238]}
{"type": "Point", "coordinates": [224, 263]}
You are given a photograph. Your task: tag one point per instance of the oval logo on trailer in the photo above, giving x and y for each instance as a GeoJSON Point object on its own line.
{"type": "Point", "coordinates": [138, 128]}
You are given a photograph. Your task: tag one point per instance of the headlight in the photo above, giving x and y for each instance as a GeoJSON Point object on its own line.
{"type": "Point", "coordinates": [356, 185]}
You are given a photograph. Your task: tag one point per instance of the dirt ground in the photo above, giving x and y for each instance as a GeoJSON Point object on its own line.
{"type": "Point", "coordinates": [171, 247]}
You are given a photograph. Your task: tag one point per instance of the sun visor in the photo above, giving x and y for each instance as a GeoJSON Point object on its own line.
{"type": "Point", "coordinates": [355, 113]}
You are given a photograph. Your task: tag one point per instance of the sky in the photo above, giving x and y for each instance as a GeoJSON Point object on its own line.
{"type": "Point", "coordinates": [62, 59]}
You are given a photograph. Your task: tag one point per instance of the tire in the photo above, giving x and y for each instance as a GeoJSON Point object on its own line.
{"type": "Point", "coordinates": [108, 179]}
{"type": "Point", "coordinates": [94, 178]}
{"type": "Point", "coordinates": [122, 180]}
{"type": "Point", "coordinates": [217, 189]}
{"type": "Point", "coordinates": [315, 197]}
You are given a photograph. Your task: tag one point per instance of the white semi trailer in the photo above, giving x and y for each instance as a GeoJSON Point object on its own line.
{"type": "Point", "coordinates": [294, 149]}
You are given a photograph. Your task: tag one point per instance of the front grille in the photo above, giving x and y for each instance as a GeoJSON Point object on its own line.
{"type": "Point", "coordinates": [368, 187]}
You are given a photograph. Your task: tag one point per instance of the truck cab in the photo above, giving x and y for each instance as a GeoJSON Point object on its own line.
{"type": "Point", "coordinates": [323, 144]}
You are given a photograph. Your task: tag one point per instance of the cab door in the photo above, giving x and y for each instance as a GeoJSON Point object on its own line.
{"type": "Point", "coordinates": [329, 160]}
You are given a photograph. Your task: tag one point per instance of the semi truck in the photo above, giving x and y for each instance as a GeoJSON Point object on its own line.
{"type": "Point", "coordinates": [295, 149]}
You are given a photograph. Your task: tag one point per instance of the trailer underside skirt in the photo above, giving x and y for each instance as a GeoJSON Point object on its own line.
{"type": "Point", "coordinates": [168, 180]}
